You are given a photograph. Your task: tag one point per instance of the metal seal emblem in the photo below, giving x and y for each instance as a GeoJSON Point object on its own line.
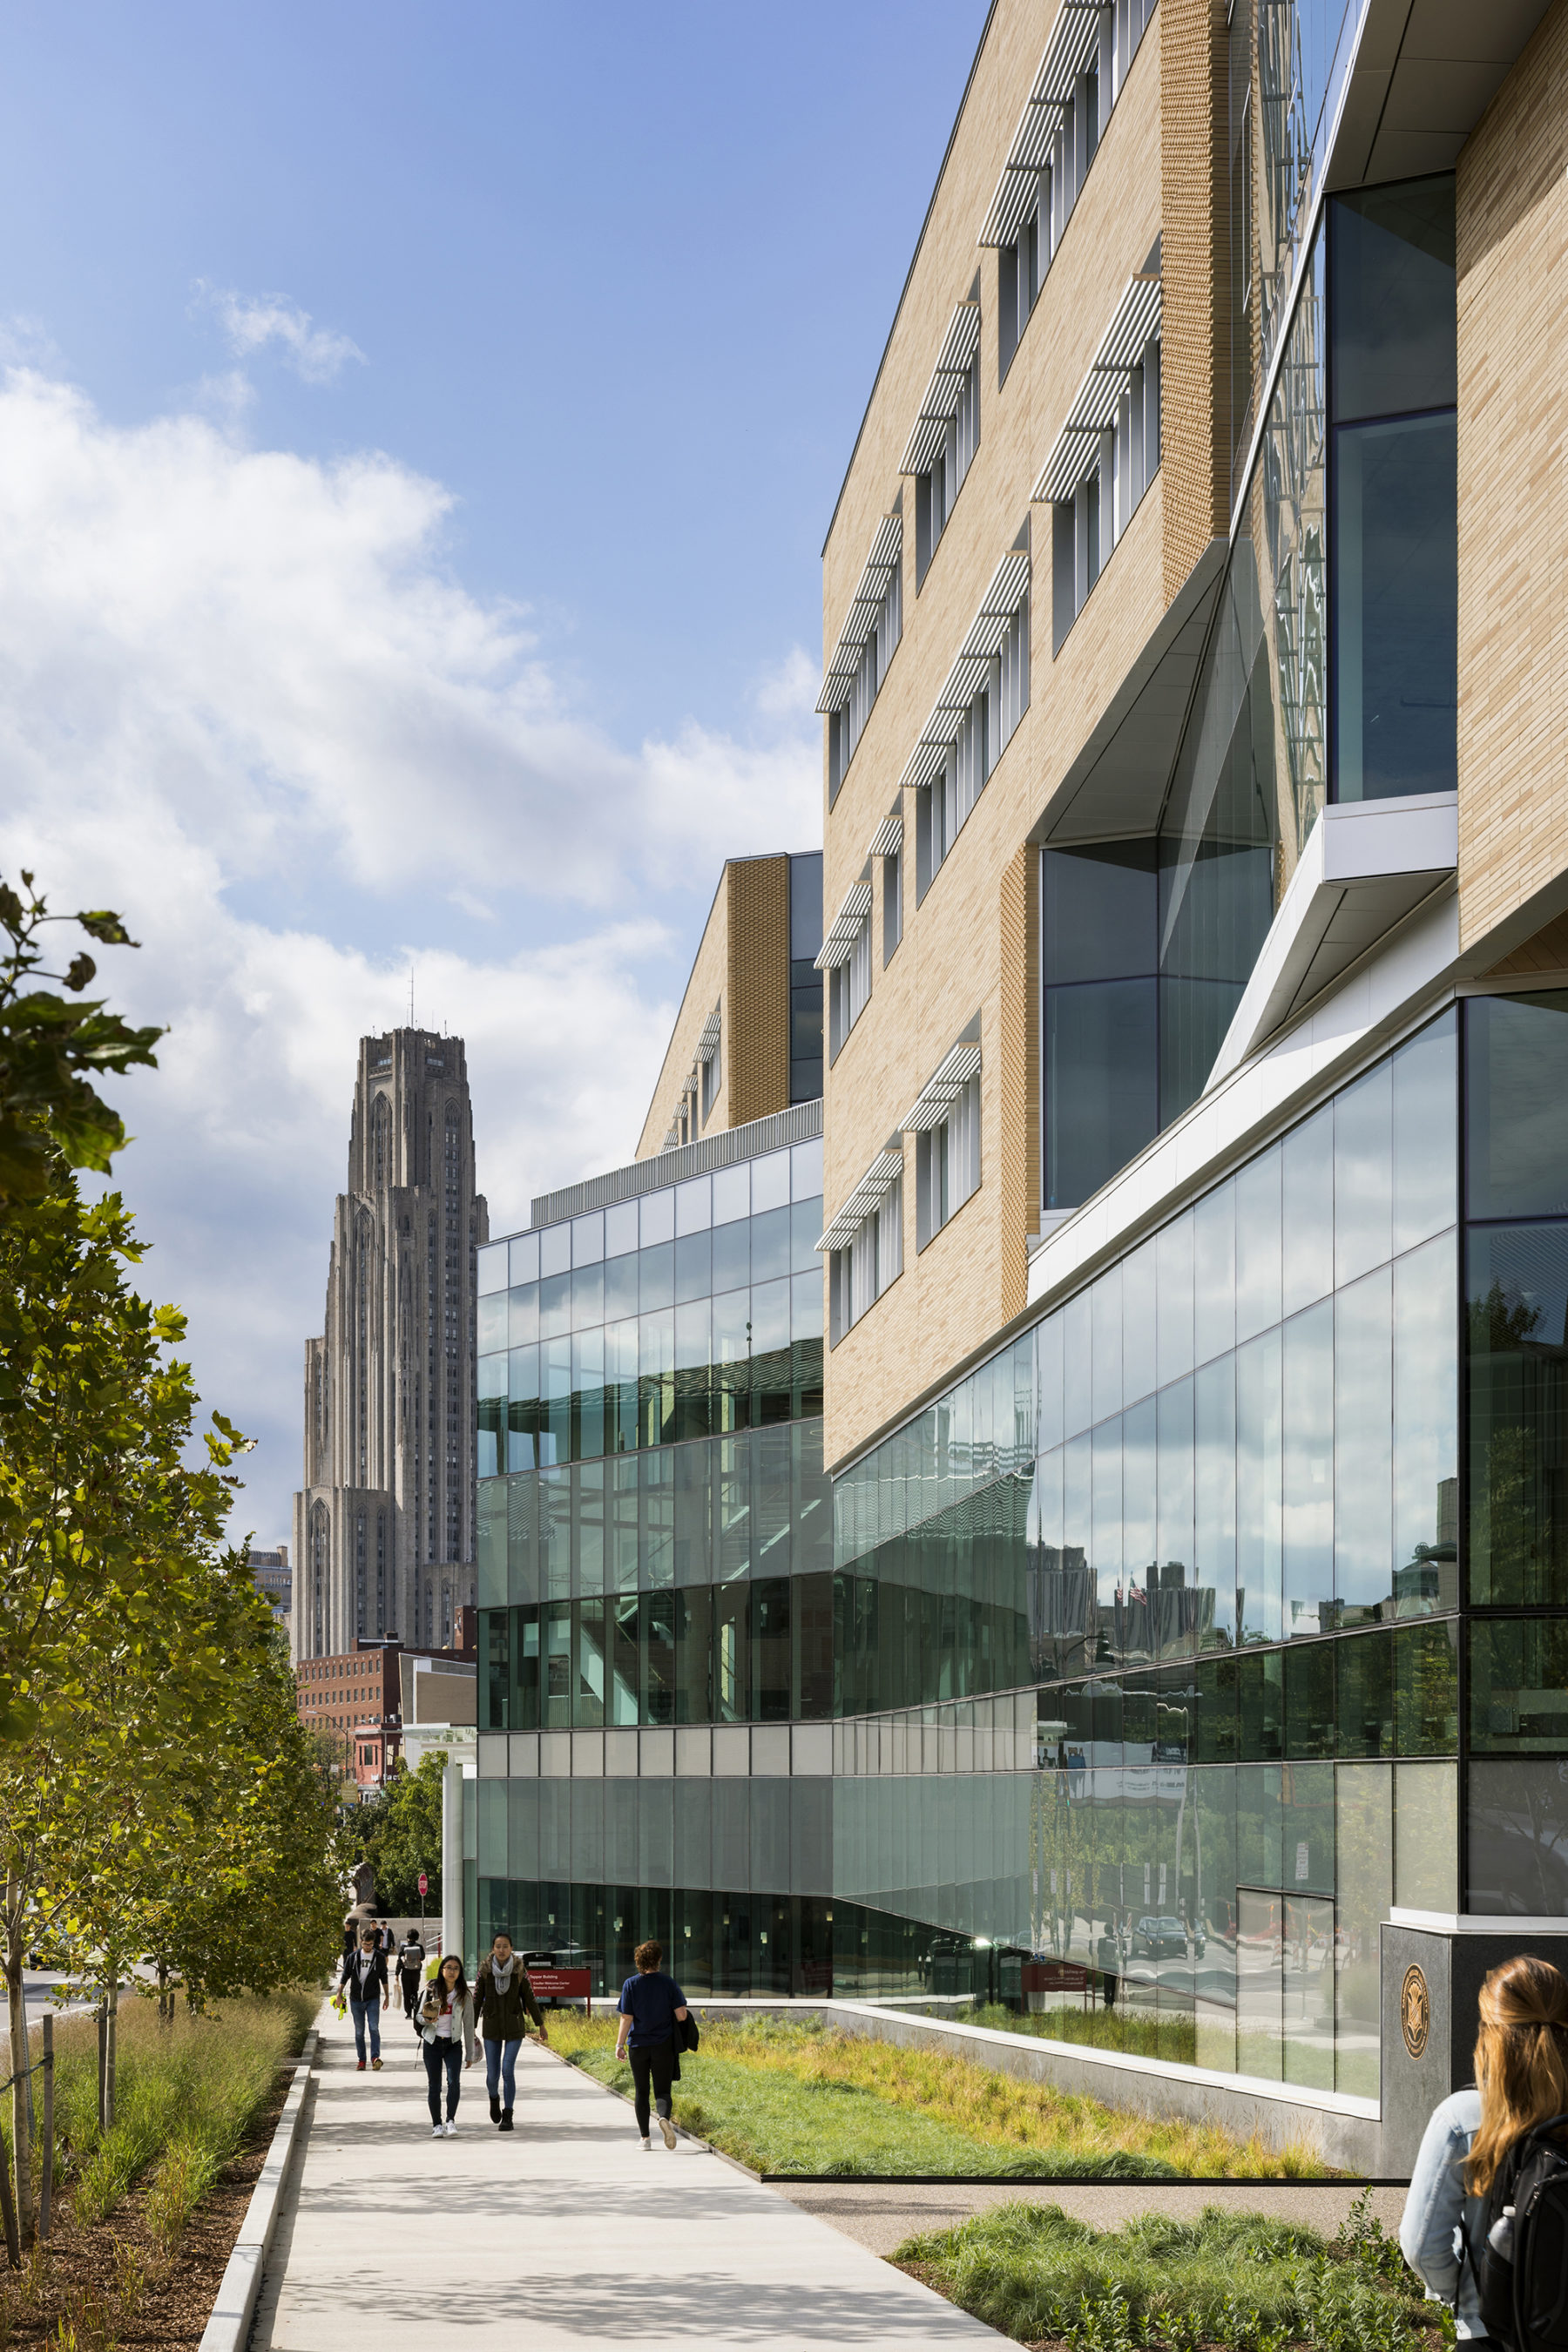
{"type": "Point", "coordinates": [1415, 2013]}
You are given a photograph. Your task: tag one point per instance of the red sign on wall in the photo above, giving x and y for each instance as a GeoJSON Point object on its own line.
{"type": "Point", "coordinates": [560, 1984]}
{"type": "Point", "coordinates": [1052, 1976]}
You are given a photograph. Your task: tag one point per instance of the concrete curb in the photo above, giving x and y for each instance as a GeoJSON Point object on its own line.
{"type": "Point", "coordinates": [235, 2308]}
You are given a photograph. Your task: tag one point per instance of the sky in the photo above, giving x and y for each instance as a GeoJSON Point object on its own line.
{"type": "Point", "coordinates": [418, 430]}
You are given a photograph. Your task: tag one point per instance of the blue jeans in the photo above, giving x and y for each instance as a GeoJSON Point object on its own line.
{"type": "Point", "coordinates": [449, 2055]}
{"type": "Point", "coordinates": [501, 2061]}
{"type": "Point", "coordinates": [365, 2013]}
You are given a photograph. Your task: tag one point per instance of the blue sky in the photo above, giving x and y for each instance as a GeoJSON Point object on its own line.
{"type": "Point", "coordinates": [419, 436]}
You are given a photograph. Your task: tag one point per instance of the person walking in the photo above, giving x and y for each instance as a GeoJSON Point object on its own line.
{"type": "Point", "coordinates": [1521, 2080]}
{"type": "Point", "coordinates": [503, 1998]}
{"type": "Point", "coordinates": [446, 2032]}
{"type": "Point", "coordinates": [651, 2004]}
{"type": "Point", "coordinates": [410, 1969]}
{"type": "Point", "coordinates": [364, 1981]}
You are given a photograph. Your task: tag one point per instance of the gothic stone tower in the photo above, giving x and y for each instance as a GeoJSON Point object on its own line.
{"type": "Point", "coordinates": [384, 1530]}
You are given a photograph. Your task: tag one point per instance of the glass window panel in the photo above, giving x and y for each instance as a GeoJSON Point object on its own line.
{"type": "Point", "coordinates": [1307, 1993]}
{"type": "Point", "coordinates": [806, 1306]}
{"type": "Point", "coordinates": [1105, 1299]}
{"type": "Point", "coordinates": [693, 1336]}
{"type": "Point", "coordinates": [655, 1343]}
{"type": "Point", "coordinates": [1516, 1085]}
{"type": "Point", "coordinates": [1182, 1624]}
{"type": "Point", "coordinates": [1310, 1700]}
{"type": "Point", "coordinates": [1427, 1688]}
{"type": "Point", "coordinates": [1140, 1582]}
{"type": "Point", "coordinates": [1214, 1497]}
{"type": "Point", "coordinates": [805, 1224]}
{"type": "Point", "coordinates": [1364, 1418]}
{"type": "Point", "coordinates": [620, 1228]}
{"type": "Point", "coordinates": [1309, 1454]}
{"type": "Point", "coordinates": [1363, 1171]}
{"type": "Point", "coordinates": [732, 1194]}
{"type": "Point", "coordinates": [1048, 1380]}
{"type": "Point", "coordinates": [693, 1206]}
{"type": "Point", "coordinates": [693, 1266]}
{"type": "Point", "coordinates": [1105, 1549]}
{"type": "Point", "coordinates": [656, 1276]}
{"type": "Point", "coordinates": [1393, 294]}
{"type": "Point", "coordinates": [1101, 1083]}
{"type": "Point", "coordinates": [1098, 911]}
{"type": "Point", "coordinates": [492, 1376]}
{"type": "Point", "coordinates": [1516, 1281]}
{"type": "Point", "coordinates": [1307, 1257]}
{"type": "Point", "coordinates": [554, 1249]}
{"type": "Point", "coordinates": [490, 1322]}
{"type": "Point", "coordinates": [1257, 1245]}
{"type": "Point", "coordinates": [1426, 1431]}
{"type": "Point", "coordinates": [806, 1171]}
{"type": "Point", "coordinates": [1174, 1260]}
{"type": "Point", "coordinates": [522, 1314]}
{"type": "Point", "coordinates": [1364, 1666]}
{"type": "Point", "coordinates": [1078, 1356]}
{"type": "Point", "coordinates": [1427, 1838]}
{"type": "Point", "coordinates": [522, 1256]}
{"type": "Point", "coordinates": [656, 1218]}
{"type": "Point", "coordinates": [620, 1278]}
{"type": "Point", "coordinates": [769, 1316]}
{"type": "Point", "coordinates": [770, 1245]}
{"type": "Point", "coordinates": [732, 1327]}
{"type": "Point", "coordinates": [1426, 1096]}
{"type": "Point", "coordinates": [1519, 1685]}
{"type": "Point", "coordinates": [1395, 546]}
{"type": "Point", "coordinates": [1214, 1275]}
{"type": "Point", "coordinates": [554, 1304]}
{"type": "Point", "coordinates": [1259, 1597]}
{"type": "Point", "coordinates": [588, 1238]}
{"type": "Point", "coordinates": [1138, 1296]}
{"type": "Point", "coordinates": [731, 1246]}
{"type": "Point", "coordinates": [770, 1182]}
{"type": "Point", "coordinates": [587, 1296]}
{"type": "Point", "coordinates": [493, 1268]}
{"type": "Point", "coordinates": [1517, 1812]}
{"type": "Point", "coordinates": [588, 1393]}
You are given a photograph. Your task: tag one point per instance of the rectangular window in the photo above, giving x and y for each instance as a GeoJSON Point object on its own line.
{"type": "Point", "coordinates": [849, 989]}
{"type": "Point", "coordinates": [712, 1079]}
{"type": "Point", "coordinates": [893, 903]}
{"type": "Point", "coordinates": [947, 1164]}
{"type": "Point", "coordinates": [1089, 516]}
{"type": "Point", "coordinates": [848, 724]}
{"type": "Point", "coordinates": [861, 1273]}
{"type": "Point", "coordinates": [937, 485]}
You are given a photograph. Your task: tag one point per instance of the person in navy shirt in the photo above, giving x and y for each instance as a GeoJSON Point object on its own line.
{"type": "Point", "coordinates": [650, 2004]}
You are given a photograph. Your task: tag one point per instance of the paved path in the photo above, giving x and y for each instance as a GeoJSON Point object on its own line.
{"type": "Point", "coordinates": [563, 2234]}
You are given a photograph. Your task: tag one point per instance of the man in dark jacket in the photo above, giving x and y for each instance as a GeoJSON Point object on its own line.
{"type": "Point", "coordinates": [410, 1969]}
{"type": "Point", "coordinates": [503, 1997]}
{"type": "Point", "coordinates": [364, 1981]}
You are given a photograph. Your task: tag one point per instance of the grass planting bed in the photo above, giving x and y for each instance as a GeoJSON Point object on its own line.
{"type": "Point", "coordinates": [1225, 2283]}
{"type": "Point", "coordinates": [145, 2216]}
{"type": "Point", "coordinates": [805, 2098]}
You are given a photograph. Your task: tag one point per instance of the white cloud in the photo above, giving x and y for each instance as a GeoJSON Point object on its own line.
{"type": "Point", "coordinates": [249, 322]}
{"type": "Point", "coordinates": [233, 678]}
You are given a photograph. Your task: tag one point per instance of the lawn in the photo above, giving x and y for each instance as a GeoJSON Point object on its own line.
{"type": "Point", "coordinates": [807, 2099]}
{"type": "Point", "coordinates": [1236, 2280]}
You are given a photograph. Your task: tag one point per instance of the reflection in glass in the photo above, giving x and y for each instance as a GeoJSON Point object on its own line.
{"type": "Point", "coordinates": [1259, 1535]}
{"type": "Point", "coordinates": [1364, 1423]}
{"type": "Point", "coordinates": [1424, 1164]}
{"type": "Point", "coordinates": [1393, 268]}
{"type": "Point", "coordinates": [1519, 1685]}
{"type": "Point", "coordinates": [1101, 1077]}
{"type": "Point", "coordinates": [1518, 1822]}
{"type": "Point", "coordinates": [1516, 1113]}
{"type": "Point", "coordinates": [1426, 1431]}
{"type": "Point", "coordinates": [1308, 1415]}
{"type": "Point", "coordinates": [1395, 540]}
{"type": "Point", "coordinates": [1517, 1349]}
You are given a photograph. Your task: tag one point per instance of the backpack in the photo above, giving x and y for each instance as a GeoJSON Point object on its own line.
{"type": "Point", "coordinates": [1522, 2265]}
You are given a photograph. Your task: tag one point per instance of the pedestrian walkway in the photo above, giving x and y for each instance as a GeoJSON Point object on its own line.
{"type": "Point", "coordinates": [562, 2233]}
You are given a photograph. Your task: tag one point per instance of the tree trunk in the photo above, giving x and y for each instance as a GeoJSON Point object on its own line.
{"type": "Point", "coordinates": [112, 2061]}
{"type": "Point", "coordinates": [21, 2057]}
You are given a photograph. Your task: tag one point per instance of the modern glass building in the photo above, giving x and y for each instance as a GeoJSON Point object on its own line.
{"type": "Point", "coordinates": [1157, 1581]}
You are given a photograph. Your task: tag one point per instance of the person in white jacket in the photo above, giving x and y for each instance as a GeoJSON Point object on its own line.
{"type": "Point", "coordinates": [450, 2044]}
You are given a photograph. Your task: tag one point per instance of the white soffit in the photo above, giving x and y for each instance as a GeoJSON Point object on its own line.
{"type": "Point", "coordinates": [1366, 865]}
{"type": "Point", "coordinates": [1074, 40]}
{"type": "Point", "coordinates": [942, 1089]}
{"type": "Point", "coordinates": [839, 945]}
{"type": "Point", "coordinates": [998, 610]}
{"type": "Point", "coordinates": [866, 1199]}
{"type": "Point", "coordinates": [942, 394]}
{"type": "Point", "coordinates": [866, 605]}
{"type": "Point", "coordinates": [888, 837]}
{"type": "Point", "coordinates": [1134, 326]}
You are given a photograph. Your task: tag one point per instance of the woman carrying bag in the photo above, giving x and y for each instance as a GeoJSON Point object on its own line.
{"type": "Point", "coordinates": [448, 2036]}
{"type": "Point", "coordinates": [653, 2032]}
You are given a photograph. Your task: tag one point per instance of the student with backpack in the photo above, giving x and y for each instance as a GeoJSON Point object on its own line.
{"type": "Point", "coordinates": [654, 2030]}
{"type": "Point", "coordinates": [410, 1969]}
{"type": "Point", "coordinates": [1486, 2220]}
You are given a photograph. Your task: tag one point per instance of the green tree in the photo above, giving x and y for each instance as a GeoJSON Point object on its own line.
{"type": "Point", "coordinates": [403, 1836]}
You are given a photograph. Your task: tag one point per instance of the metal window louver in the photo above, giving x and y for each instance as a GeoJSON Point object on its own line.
{"type": "Point", "coordinates": [942, 1089]}
{"type": "Point", "coordinates": [888, 838]}
{"type": "Point", "coordinates": [708, 1044]}
{"type": "Point", "coordinates": [1129, 335]}
{"type": "Point", "coordinates": [839, 945]}
{"type": "Point", "coordinates": [865, 610]}
{"type": "Point", "coordinates": [998, 609]}
{"type": "Point", "coordinates": [866, 1199]}
{"type": "Point", "coordinates": [945, 389]}
{"type": "Point", "coordinates": [1074, 38]}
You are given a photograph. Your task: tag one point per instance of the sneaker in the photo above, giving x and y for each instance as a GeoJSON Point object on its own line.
{"type": "Point", "coordinates": [376, 2064]}
{"type": "Point", "coordinates": [451, 2128]}
{"type": "Point", "coordinates": [667, 2129]}
{"type": "Point", "coordinates": [647, 2147]}
{"type": "Point", "coordinates": [436, 2132]}
{"type": "Point", "coordinates": [361, 2068]}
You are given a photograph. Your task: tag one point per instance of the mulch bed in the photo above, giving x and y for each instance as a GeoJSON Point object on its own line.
{"type": "Point", "coordinates": [85, 2271]}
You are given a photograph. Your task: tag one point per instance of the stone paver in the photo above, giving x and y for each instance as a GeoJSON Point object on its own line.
{"type": "Point", "coordinates": [881, 2215]}
{"type": "Point", "coordinates": [562, 2233]}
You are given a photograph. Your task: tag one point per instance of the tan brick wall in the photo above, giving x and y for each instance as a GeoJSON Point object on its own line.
{"type": "Point", "coordinates": [1513, 499]}
{"type": "Point", "coordinates": [965, 948]}
{"type": "Point", "coordinates": [756, 1075]}
{"type": "Point", "coordinates": [1194, 354]}
{"type": "Point", "coordinates": [706, 987]}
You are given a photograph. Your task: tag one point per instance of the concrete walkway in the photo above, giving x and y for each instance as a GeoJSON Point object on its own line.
{"type": "Point", "coordinates": [562, 2233]}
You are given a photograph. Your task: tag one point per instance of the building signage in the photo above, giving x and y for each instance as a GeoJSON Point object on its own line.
{"type": "Point", "coordinates": [560, 1984]}
{"type": "Point", "coordinates": [1415, 2013]}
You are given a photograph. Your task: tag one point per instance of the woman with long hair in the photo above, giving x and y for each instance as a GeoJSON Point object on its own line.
{"type": "Point", "coordinates": [1521, 2078]}
{"type": "Point", "coordinates": [446, 2034]}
